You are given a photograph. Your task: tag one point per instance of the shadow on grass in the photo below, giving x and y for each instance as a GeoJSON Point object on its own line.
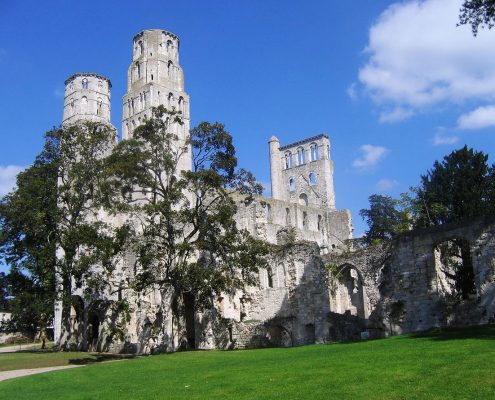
{"type": "Point", "coordinates": [97, 358]}
{"type": "Point", "coordinates": [471, 332]}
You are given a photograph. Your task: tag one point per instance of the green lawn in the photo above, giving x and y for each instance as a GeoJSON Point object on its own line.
{"type": "Point", "coordinates": [454, 364]}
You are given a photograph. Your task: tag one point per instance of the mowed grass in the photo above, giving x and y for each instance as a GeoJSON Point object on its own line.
{"type": "Point", "coordinates": [453, 364]}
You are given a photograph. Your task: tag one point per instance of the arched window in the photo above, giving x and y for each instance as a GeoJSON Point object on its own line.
{"type": "Point", "coordinates": [269, 275]}
{"type": "Point", "coordinates": [303, 199]}
{"type": "Point", "coordinates": [151, 76]}
{"type": "Point", "coordinates": [305, 220]}
{"type": "Point", "coordinates": [314, 152]}
{"type": "Point", "coordinates": [170, 100]}
{"type": "Point", "coordinates": [292, 184]}
{"type": "Point", "coordinates": [138, 66]}
{"type": "Point", "coordinates": [99, 103]}
{"type": "Point", "coordinates": [288, 160]}
{"type": "Point", "coordinates": [133, 124]}
{"type": "Point", "coordinates": [181, 104]}
{"type": "Point", "coordinates": [72, 104]}
{"type": "Point", "coordinates": [287, 217]}
{"type": "Point", "coordinates": [132, 105]}
{"type": "Point", "coordinates": [170, 45]}
{"type": "Point", "coordinates": [320, 223]}
{"type": "Point", "coordinates": [169, 68]}
{"type": "Point", "coordinates": [268, 212]}
{"type": "Point", "coordinates": [85, 83]}
{"type": "Point", "coordinates": [141, 47]}
{"type": "Point", "coordinates": [312, 178]}
{"type": "Point", "coordinates": [84, 105]}
{"type": "Point", "coordinates": [301, 157]}
{"type": "Point", "coordinates": [126, 133]}
{"type": "Point", "coordinates": [100, 85]}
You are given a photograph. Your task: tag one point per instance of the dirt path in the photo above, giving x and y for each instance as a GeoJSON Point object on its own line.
{"type": "Point", "coordinates": [22, 347]}
{"type": "Point", "coordinates": [4, 375]}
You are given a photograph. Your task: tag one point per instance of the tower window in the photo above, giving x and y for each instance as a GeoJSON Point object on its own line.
{"type": "Point", "coordinates": [72, 104]}
{"type": "Point", "coordinates": [169, 45]}
{"type": "Point", "coordinates": [288, 160]}
{"type": "Point", "coordinates": [169, 68]}
{"type": "Point", "coordinates": [292, 184]}
{"type": "Point", "coordinates": [320, 223]}
{"type": "Point", "coordinates": [100, 85]}
{"type": "Point", "coordinates": [85, 83]}
{"type": "Point", "coordinates": [305, 220]}
{"type": "Point", "coordinates": [141, 47]}
{"type": "Point", "coordinates": [269, 274]}
{"type": "Point", "coordinates": [151, 76]}
{"type": "Point", "coordinates": [314, 152]}
{"type": "Point", "coordinates": [312, 178]}
{"type": "Point", "coordinates": [138, 66]}
{"type": "Point", "coordinates": [287, 217]}
{"type": "Point", "coordinates": [170, 99]}
{"type": "Point", "coordinates": [303, 199]}
{"type": "Point", "coordinates": [99, 103]}
{"type": "Point", "coordinates": [84, 104]}
{"type": "Point", "coordinates": [301, 157]}
{"type": "Point", "coordinates": [181, 104]}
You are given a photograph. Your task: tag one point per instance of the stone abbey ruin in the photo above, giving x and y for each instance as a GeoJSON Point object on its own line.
{"type": "Point", "coordinates": [318, 287]}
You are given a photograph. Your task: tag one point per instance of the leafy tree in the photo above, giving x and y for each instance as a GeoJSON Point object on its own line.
{"type": "Point", "coordinates": [459, 187]}
{"type": "Point", "coordinates": [386, 218]}
{"type": "Point", "coordinates": [186, 241]}
{"type": "Point", "coordinates": [28, 219]}
{"type": "Point", "coordinates": [87, 247]}
{"type": "Point", "coordinates": [4, 293]}
{"type": "Point", "coordinates": [477, 13]}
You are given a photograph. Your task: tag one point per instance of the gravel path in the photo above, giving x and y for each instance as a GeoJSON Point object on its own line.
{"type": "Point", "coordinates": [24, 372]}
{"type": "Point", "coordinates": [22, 347]}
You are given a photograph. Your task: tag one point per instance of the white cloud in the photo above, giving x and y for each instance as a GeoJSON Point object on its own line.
{"type": "Point", "coordinates": [396, 115]}
{"type": "Point", "coordinates": [419, 58]}
{"type": "Point", "coordinates": [7, 178]}
{"type": "Point", "coordinates": [482, 117]}
{"type": "Point", "coordinates": [352, 91]}
{"type": "Point", "coordinates": [440, 139]}
{"type": "Point", "coordinates": [371, 155]}
{"type": "Point", "coordinates": [384, 185]}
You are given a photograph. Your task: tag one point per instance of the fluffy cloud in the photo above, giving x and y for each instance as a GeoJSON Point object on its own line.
{"type": "Point", "coordinates": [7, 178]}
{"type": "Point", "coordinates": [482, 117]}
{"type": "Point", "coordinates": [371, 155]}
{"type": "Point", "coordinates": [384, 185]}
{"type": "Point", "coordinates": [419, 58]}
{"type": "Point", "coordinates": [440, 139]}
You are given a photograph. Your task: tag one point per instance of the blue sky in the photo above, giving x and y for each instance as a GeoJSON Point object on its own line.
{"type": "Point", "coordinates": [395, 84]}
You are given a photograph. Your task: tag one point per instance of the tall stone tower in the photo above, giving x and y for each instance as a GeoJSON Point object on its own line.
{"type": "Point", "coordinates": [87, 97]}
{"type": "Point", "coordinates": [302, 172]}
{"type": "Point", "coordinates": [155, 78]}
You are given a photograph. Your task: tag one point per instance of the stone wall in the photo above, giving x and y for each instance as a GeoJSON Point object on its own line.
{"type": "Point", "coordinates": [406, 286]}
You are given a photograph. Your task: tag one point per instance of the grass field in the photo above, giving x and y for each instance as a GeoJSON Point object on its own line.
{"type": "Point", "coordinates": [453, 364]}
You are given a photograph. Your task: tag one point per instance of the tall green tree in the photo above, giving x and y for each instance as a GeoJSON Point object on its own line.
{"type": "Point", "coordinates": [186, 240]}
{"type": "Point", "coordinates": [28, 223]}
{"type": "Point", "coordinates": [88, 247]}
{"type": "Point", "coordinates": [478, 13]}
{"type": "Point", "coordinates": [386, 218]}
{"type": "Point", "coordinates": [460, 186]}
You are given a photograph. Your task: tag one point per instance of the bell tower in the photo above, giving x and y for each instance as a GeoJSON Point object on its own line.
{"type": "Point", "coordinates": [155, 78]}
{"type": "Point", "coordinates": [87, 97]}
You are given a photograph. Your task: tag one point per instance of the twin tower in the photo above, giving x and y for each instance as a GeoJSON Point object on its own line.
{"type": "Point", "coordinates": [301, 172]}
{"type": "Point", "coordinates": [154, 78]}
